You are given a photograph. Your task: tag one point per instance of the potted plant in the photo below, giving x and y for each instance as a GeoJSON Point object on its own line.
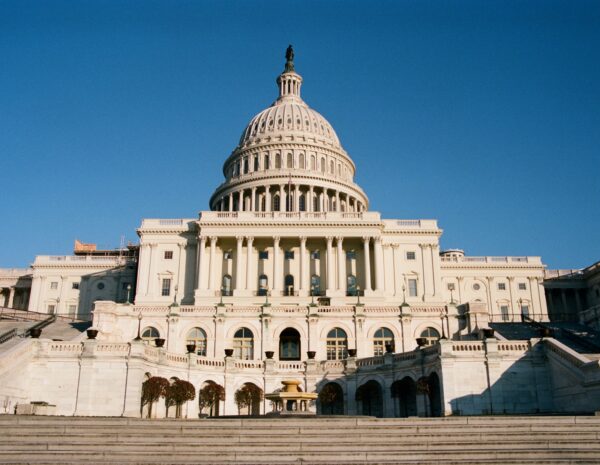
{"type": "Point", "coordinates": [389, 349]}
{"type": "Point", "coordinates": [159, 341]}
{"type": "Point", "coordinates": [269, 354]}
{"type": "Point", "coordinates": [191, 348]}
{"type": "Point", "coordinates": [228, 352]}
{"type": "Point", "coordinates": [488, 333]}
{"type": "Point", "coordinates": [92, 333]}
{"type": "Point", "coordinates": [311, 354]}
{"type": "Point", "coordinates": [35, 333]}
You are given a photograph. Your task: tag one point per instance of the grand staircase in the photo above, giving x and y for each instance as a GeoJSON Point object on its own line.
{"type": "Point", "coordinates": [325, 440]}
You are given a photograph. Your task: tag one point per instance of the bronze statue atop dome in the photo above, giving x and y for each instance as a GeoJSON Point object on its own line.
{"type": "Point", "coordinates": [289, 56]}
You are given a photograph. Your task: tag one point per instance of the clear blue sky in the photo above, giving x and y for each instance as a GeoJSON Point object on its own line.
{"type": "Point", "coordinates": [482, 114]}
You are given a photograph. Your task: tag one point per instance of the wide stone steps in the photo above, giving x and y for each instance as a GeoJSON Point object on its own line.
{"type": "Point", "coordinates": [310, 441]}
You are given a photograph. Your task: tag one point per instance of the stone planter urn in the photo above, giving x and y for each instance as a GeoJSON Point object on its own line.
{"type": "Point", "coordinates": [35, 333]}
{"type": "Point", "coordinates": [191, 348]}
{"type": "Point", "coordinates": [311, 354]}
{"type": "Point", "coordinates": [269, 354]}
{"type": "Point", "coordinates": [228, 352]}
{"type": "Point", "coordinates": [351, 352]}
{"type": "Point", "coordinates": [92, 333]}
{"type": "Point", "coordinates": [389, 349]}
{"type": "Point", "coordinates": [159, 341]}
{"type": "Point", "coordinates": [421, 341]}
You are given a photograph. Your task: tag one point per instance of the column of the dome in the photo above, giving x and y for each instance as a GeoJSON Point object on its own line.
{"type": "Point", "coordinates": [281, 198]}
{"type": "Point", "coordinates": [231, 201]}
{"type": "Point", "coordinates": [241, 200]}
{"type": "Point", "coordinates": [297, 199]}
{"type": "Point", "coordinates": [253, 200]}
{"type": "Point", "coordinates": [310, 201]}
{"type": "Point", "coordinates": [268, 198]}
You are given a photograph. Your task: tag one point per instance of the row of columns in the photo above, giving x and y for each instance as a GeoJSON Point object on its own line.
{"type": "Point", "coordinates": [206, 274]}
{"type": "Point", "coordinates": [262, 199]}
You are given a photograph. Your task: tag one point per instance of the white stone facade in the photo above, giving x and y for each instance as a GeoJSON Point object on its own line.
{"type": "Point", "coordinates": [292, 273]}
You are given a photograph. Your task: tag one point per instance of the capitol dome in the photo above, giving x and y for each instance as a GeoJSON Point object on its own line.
{"type": "Point", "coordinates": [289, 159]}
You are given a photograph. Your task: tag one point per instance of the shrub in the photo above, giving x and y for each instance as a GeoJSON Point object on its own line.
{"type": "Point", "coordinates": [152, 390]}
{"type": "Point", "coordinates": [249, 395]}
{"type": "Point", "coordinates": [178, 393]}
{"type": "Point", "coordinates": [210, 395]}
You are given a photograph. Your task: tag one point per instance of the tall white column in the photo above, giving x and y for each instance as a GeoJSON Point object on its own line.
{"type": "Point", "coordinates": [253, 200]}
{"type": "Point", "coordinates": [249, 263]}
{"type": "Point", "coordinates": [241, 201]}
{"type": "Point", "coordinates": [212, 273]}
{"type": "Point", "coordinates": [231, 201]}
{"type": "Point", "coordinates": [238, 263]}
{"type": "Point", "coordinates": [276, 271]}
{"type": "Point", "coordinates": [337, 201]}
{"type": "Point", "coordinates": [151, 277]}
{"type": "Point", "coordinates": [367, 257]}
{"type": "Point", "coordinates": [268, 199]}
{"type": "Point", "coordinates": [304, 265]}
{"type": "Point", "coordinates": [330, 266]}
{"type": "Point", "coordinates": [341, 268]}
{"type": "Point", "coordinates": [310, 201]}
{"type": "Point", "coordinates": [396, 270]}
{"type": "Point", "coordinates": [378, 264]}
{"type": "Point", "coordinates": [180, 272]}
{"type": "Point", "coordinates": [200, 274]}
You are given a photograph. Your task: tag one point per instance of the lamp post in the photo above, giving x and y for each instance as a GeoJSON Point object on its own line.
{"type": "Point", "coordinates": [221, 304]}
{"type": "Point", "coordinates": [267, 304]}
{"type": "Point", "coordinates": [139, 336]}
{"type": "Point", "coordinates": [128, 295]}
{"type": "Point", "coordinates": [175, 304]}
{"type": "Point", "coordinates": [312, 295]}
{"type": "Point", "coordinates": [358, 304]}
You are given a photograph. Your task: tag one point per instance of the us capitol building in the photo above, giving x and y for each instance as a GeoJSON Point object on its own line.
{"type": "Point", "coordinates": [291, 276]}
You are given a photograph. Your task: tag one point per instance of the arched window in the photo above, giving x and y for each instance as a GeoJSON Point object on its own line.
{"type": "Point", "coordinates": [323, 167]}
{"type": "Point", "coordinates": [289, 285]}
{"type": "Point", "coordinates": [382, 338]}
{"type": "Point", "coordinates": [316, 204]}
{"type": "Point", "coordinates": [266, 163]}
{"type": "Point", "coordinates": [263, 284]}
{"type": "Point", "coordinates": [149, 334]}
{"type": "Point", "coordinates": [301, 162]}
{"type": "Point", "coordinates": [276, 203]}
{"type": "Point", "coordinates": [315, 284]}
{"type": "Point", "coordinates": [431, 334]}
{"type": "Point", "coordinates": [290, 160]}
{"type": "Point", "coordinates": [331, 167]}
{"type": "Point", "coordinates": [289, 344]}
{"type": "Point", "coordinates": [302, 203]}
{"type": "Point", "coordinates": [277, 161]}
{"type": "Point", "coordinates": [312, 162]}
{"type": "Point", "coordinates": [351, 285]}
{"type": "Point", "coordinates": [243, 344]}
{"type": "Point", "coordinates": [245, 165]}
{"type": "Point", "coordinates": [263, 203]}
{"type": "Point", "coordinates": [337, 344]}
{"type": "Point", "coordinates": [226, 285]}
{"type": "Point", "coordinates": [197, 336]}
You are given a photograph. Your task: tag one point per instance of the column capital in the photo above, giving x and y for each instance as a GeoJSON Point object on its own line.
{"type": "Point", "coordinates": [394, 246]}
{"type": "Point", "coordinates": [490, 278]}
{"type": "Point", "coordinates": [329, 240]}
{"type": "Point", "coordinates": [239, 238]}
{"type": "Point", "coordinates": [213, 239]}
{"type": "Point", "coordinates": [510, 278]}
{"type": "Point", "coordinates": [339, 239]}
{"type": "Point", "coordinates": [250, 239]}
{"type": "Point", "coordinates": [377, 239]}
{"type": "Point", "coordinates": [202, 238]}
{"type": "Point", "coordinates": [366, 239]}
{"type": "Point", "coordinates": [302, 239]}
{"type": "Point", "coordinates": [276, 239]}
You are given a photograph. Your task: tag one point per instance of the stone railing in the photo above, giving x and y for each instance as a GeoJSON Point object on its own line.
{"type": "Point", "coordinates": [467, 346]}
{"type": "Point", "coordinates": [290, 366]}
{"type": "Point", "coordinates": [289, 216]}
{"type": "Point", "coordinates": [513, 346]}
{"type": "Point", "coordinates": [80, 259]}
{"type": "Point", "coordinates": [565, 353]}
{"type": "Point", "coordinates": [512, 260]}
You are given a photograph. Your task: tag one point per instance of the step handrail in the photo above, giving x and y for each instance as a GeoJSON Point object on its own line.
{"type": "Point", "coordinates": [8, 335]}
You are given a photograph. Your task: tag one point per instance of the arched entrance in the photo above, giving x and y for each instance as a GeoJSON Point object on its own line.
{"type": "Point", "coordinates": [404, 393]}
{"type": "Point", "coordinates": [370, 397]}
{"type": "Point", "coordinates": [331, 400]}
{"type": "Point", "coordinates": [289, 344]}
{"type": "Point", "coordinates": [435, 395]}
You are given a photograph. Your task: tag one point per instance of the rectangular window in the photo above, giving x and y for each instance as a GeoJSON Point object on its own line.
{"type": "Point", "coordinates": [411, 256]}
{"type": "Point", "coordinates": [166, 287]}
{"type": "Point", "coordinates": [75, 286]}
{"type": "Point", "coordinates": [289, 254]}
{"type": "Point", "coordinates": [450, 286]}
{"type": "Point", "coordinates": [412, 287]}
{"type": "Point", "coordinates": [263, 255]}
{"type": "Point", "coordinates": [525, 310]}
{"type": "Point", "coordinates": [54, 285]}
{"type": "Point", "coordinates": [504, 312]}
{"type": "Point", "coordinates": [351, 255]}
{"type": "Point", "coordinates": [168, 254]}
{"type": "Point", "coordinates": [522, 286]}
{"type": "Point", "coordinates": [501, 286]}
{"type": "Point", "coordinates": [315, 255]}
